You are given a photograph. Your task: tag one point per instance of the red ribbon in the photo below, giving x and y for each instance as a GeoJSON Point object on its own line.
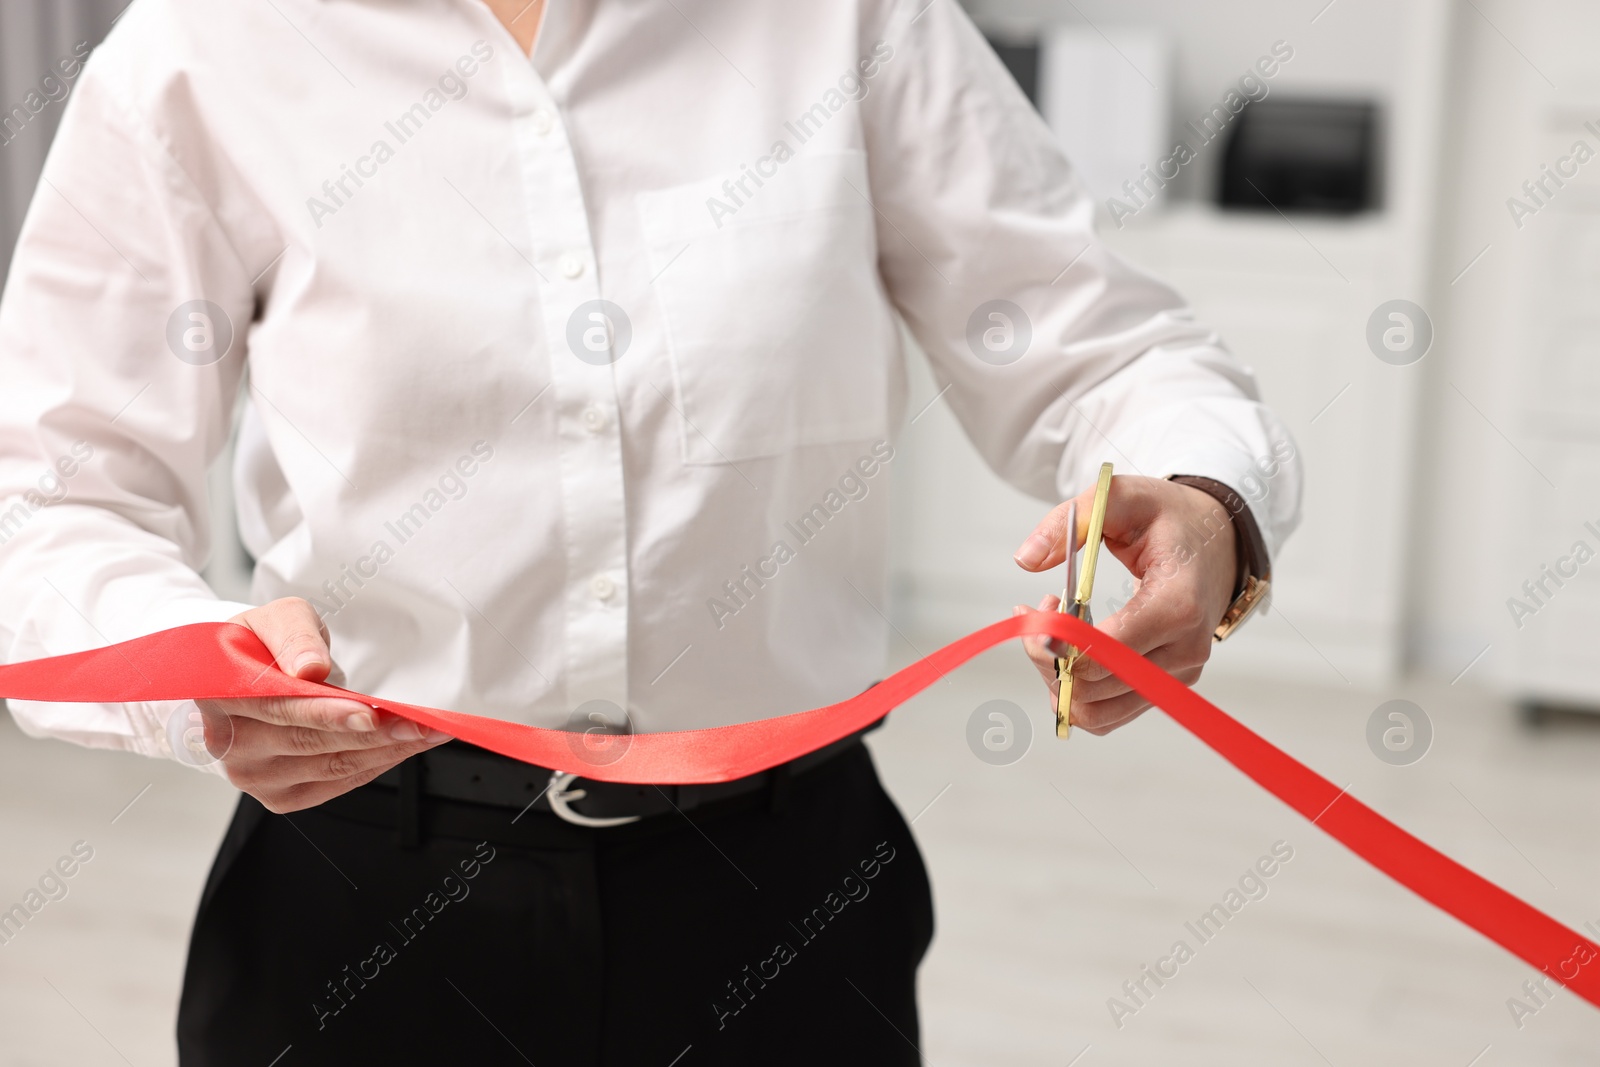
{"type": "Point", "coordinates": [212, 661]}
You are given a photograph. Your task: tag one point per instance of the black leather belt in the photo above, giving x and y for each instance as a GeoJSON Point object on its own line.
{"type": "Point", "coordinates": [461, 772]}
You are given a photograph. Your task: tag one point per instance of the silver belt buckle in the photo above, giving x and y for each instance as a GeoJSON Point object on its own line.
{"type": "Point", "coordinates": [560, 796]}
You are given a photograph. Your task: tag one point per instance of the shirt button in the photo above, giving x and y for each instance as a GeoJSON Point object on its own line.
{"type": "Point", "coordinates": [603, 587]}
{"type": "Point", "coordinates": [543, 121]}
{"type": "Point", "coordinates": [571, 266]}
{"type": "Point", "coordinates": [594, 419]}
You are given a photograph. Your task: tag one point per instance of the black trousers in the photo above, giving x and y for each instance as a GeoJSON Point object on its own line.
{"type": "Point", "coordinates": [776, 928]}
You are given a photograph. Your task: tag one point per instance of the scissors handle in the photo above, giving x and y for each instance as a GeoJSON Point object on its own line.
{"type": "Point", "coordinates": [1080, 587]}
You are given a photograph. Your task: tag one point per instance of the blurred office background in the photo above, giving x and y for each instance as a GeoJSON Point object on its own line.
{"type": "Point", "coordinates": [1450, 471]}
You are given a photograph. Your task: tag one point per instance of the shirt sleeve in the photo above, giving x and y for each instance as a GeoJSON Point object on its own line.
{"type": "Point", "coordinates": [1057, 355]}
{"type": "Point", "coordinates": [105, 432]}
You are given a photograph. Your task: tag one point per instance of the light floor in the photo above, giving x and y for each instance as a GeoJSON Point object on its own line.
{"type": "Point", "coordinates": [1057, 878]}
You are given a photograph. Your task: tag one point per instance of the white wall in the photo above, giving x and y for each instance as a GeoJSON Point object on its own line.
{"type": "Point", "coordinates": [34, 35]}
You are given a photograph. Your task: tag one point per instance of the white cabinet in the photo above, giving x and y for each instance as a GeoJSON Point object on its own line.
{"type": "Point", "coordinates": [1552, 373]}
{"type": "Point", "coordinates": [1292, 301]}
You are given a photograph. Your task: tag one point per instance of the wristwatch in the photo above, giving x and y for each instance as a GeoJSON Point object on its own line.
{"type": "Point", "coordinates": [1254, 580]}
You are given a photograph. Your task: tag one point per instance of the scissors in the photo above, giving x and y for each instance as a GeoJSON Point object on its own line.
{"type": "Point", "coordinates": [1080, 587]}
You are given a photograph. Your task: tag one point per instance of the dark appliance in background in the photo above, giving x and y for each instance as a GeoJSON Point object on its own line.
{"type": "Point", "coordinates": [1022, 60]}
{"type": "Point", "coordinates": [1302, 155]}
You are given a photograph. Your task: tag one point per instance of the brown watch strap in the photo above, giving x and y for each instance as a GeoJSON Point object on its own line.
{"type": "Point", "coordinates": [1254, 562]}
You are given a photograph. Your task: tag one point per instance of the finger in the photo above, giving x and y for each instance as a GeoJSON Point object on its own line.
{"type": "Point", "coordinates": [1100, 728]}
{"type": "Point", "coordinates": [305, 795]}
{"type": "Point", "coordinates": [295, 636]}
{"type": "Point", "coordinates": [218, 729]}
{"type": "Point", "coordinates": [337, 714]}
{"type": "Point", "coordinates": [1045, 663]}
{"type": "Point", "coordinates": [1046, 546]}
{"type": "Point", "coordinates": [352, 763]}
{"type": "Point", "coordinates": [1038, 646]}
{"type": "Point", "coordinates": [1172, 658]}
{"type": "Point", "coordinates": [254, 739]}
{"type": "Point", "coordinates": [1102, 716]}
{"type": "Point", "coordinates": [1132, 505]}
{"type": "Point", "coordinates": [309, 792]}
{"type": "Point", "coordinates": [1086, 669]}
{"type": "Point", "coordinates": [1127, 704]}
{"type": "Point", "coordinates": [1164, 611]}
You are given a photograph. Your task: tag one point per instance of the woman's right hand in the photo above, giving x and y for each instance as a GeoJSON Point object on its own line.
{"type": "Point", "coordinates": [296, 752]}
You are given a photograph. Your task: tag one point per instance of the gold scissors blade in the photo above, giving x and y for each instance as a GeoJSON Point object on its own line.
{"type": "Point", "coordinates": [1080, 587]}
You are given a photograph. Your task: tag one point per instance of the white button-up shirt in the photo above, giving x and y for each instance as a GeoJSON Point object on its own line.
{"type": "Point", "coordinates": [564, 380]}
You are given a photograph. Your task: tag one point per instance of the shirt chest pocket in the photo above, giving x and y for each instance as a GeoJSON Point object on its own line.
{"type": "Point", "coordinates": [776, 320]}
